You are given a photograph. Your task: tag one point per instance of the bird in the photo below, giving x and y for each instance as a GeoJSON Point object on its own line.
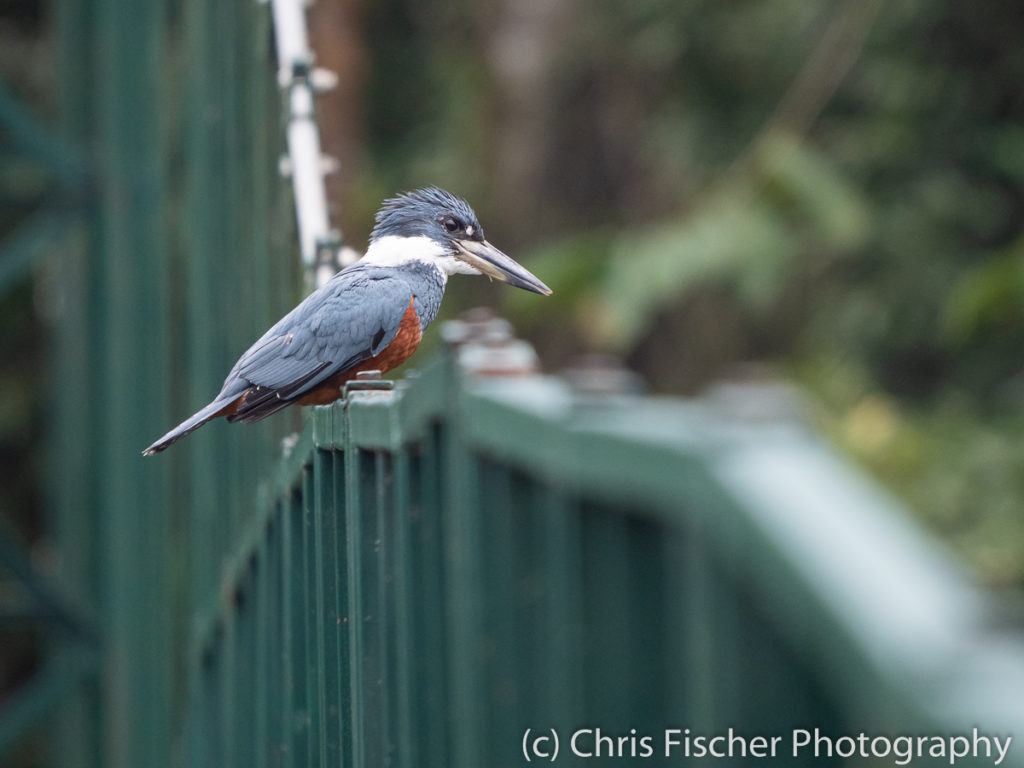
{"type": "Point", "coordinates": [369, 316]}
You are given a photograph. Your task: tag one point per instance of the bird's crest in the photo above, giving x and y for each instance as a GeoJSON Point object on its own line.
{"type": "Point", "coordinates": [410, 213]}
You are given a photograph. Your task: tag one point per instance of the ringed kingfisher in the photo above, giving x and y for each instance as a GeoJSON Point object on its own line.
{"type": "Point", "coordinates": [369, 316]}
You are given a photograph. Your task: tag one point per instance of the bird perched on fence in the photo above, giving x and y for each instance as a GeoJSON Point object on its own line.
{"type": "Point", "coordinates": [370, 316]}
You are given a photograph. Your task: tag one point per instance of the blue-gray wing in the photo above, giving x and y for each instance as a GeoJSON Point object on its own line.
{"type": "Point", "coordinates": [352, 318]}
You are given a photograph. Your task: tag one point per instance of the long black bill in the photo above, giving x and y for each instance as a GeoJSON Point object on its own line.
{"type": "Point", "coordinates": [494, 263]}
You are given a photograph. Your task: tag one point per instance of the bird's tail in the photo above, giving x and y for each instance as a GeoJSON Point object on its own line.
{"type": "Point", "coordinates": [217, 408]}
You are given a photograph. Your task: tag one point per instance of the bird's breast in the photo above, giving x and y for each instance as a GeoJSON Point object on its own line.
{"type": "Point", "coordinates": [401, 347]}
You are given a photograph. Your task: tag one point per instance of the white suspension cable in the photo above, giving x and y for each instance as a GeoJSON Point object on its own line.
{"type": "Point", "coordinates": [319, 243]}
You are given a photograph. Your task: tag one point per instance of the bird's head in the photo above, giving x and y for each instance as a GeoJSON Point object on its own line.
{"type": "Point", "coordinates": [434, 226]}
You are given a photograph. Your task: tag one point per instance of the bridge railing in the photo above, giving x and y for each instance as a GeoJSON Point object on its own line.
{"type": "Point", "coordinates": [480, 550]}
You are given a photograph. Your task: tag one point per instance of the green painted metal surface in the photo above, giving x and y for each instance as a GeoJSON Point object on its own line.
{"type": "Point", "coordinates": [449, 563]}
{"type": "Point", "coordinates": [181, 243]}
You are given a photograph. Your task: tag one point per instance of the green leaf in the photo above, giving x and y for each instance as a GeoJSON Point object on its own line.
{"type": "Point", "coordinates": [990, 295]}
{"type": "Point", "coordinates": [736, 241]}
{"type": "Point", "coordinates": [805, 179]}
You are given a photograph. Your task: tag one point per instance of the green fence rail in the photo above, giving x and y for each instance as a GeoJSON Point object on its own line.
{"type": "Point", "coordinates": [439, 567]}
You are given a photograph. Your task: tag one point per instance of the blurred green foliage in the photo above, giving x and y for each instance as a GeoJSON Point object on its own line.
{"type": "Point", "coordinates": [834, 188]}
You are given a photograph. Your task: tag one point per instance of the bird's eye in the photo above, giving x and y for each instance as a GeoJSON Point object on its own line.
{"type": "Point", "coordinates": [450, 224]}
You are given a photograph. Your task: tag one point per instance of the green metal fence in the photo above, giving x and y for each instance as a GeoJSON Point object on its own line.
{"type": "Point", "coordinates": [183, 243]}
{"type": "Point", "coordinates": [440, 567]}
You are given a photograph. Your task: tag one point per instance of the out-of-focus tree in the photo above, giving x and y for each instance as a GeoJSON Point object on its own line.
{"type": "Point", "coordinates": [336, 35]}
{"type": "Point", "coordinates": [833, 188]}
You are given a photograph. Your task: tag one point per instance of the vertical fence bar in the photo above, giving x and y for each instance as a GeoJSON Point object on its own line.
{"type": "Point", "coordinates": [133, 504]}
{"type": "Point", "coordinates": [678, 611]}
{"type": "Point", "coordinates": [296, 718]}
{"type": "Point", "coordinates": [429, 612]}
{"type": "Point", "coordinates": [366, 614]}
{"type": "Point", "coordinates": [279, 694]}
{"type": "Point", "coordinates": [342, 606]}
{"type": "Point", "coordinates": [698, 638]}
{"type": "Point", "coordinates": [212, 747]}
{"type": "Point", "coordinates": [461, 516]}
{"type": "Point", "coordinates": [562, 563]}
{"type": "Point", "coordinates": [403, 513]}
{"type": "Point", "coordinates": [285, 583]}
{"type": "Point", "coordinates": [546, 596]}
{"type": "Point", "coordinates": [313, 624]}
{"type": "Point", "coordinates": [227, 237]}
{"type": "Point", "coordinates": [263, 621]}
{"type": "Point", "coordinates": [354, 560]}
{"type": "Point", "coordinates": [647, 639]}
{"type": "Point", "coordinates": [238, 696]}
{"type": "Point", "coordinates": [76, 345]}
{"type": "Point", "coordinates": [383, 482]}
{"type": "Point", "coordinates": [249, 636]}
{"type": "Point", "coordinates": [227, 682]}
{"type": "Point", "coordinates": [723, 618]}
{"type": "Point", "coordinates": [500, 630]}
{"type": "Point", "coordinates": [329, 619]}
{"type": "Point", "coordinates": [606, 603]}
